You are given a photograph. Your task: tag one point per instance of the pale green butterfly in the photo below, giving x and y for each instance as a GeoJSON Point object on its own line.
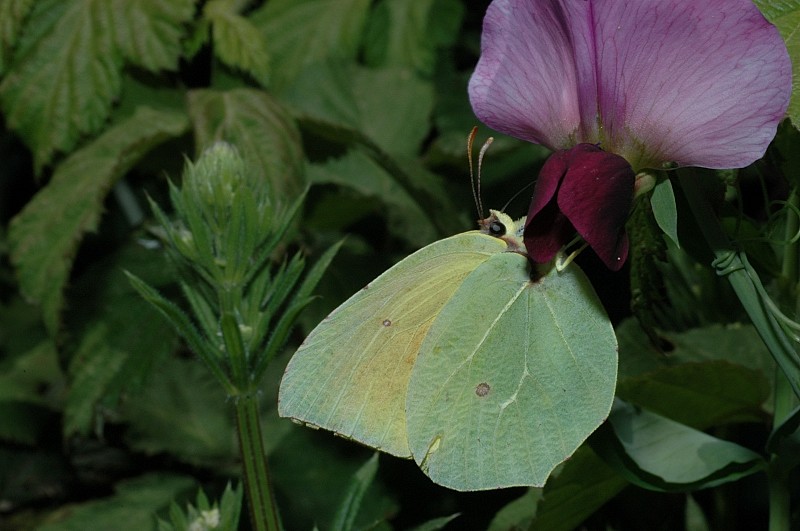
{"type": "Point", "coordinates": [485, 372]}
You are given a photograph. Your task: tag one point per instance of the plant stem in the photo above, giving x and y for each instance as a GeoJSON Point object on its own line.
{"type": "Point", "coordinates": [785, 399]}
{"type": "Point", "coordinates": [751, 293]}
{"type": "Point", "coordinates": [263, 513]}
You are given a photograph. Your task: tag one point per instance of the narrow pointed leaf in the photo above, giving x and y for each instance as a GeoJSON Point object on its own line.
{"type": "Point", "coordinates": [664, 209]}
{"type": "Point", "coordinates": [345, 517]}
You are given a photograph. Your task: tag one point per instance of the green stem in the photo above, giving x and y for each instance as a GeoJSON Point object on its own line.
{"type": "Point", "coordinates": [752, 295]}
{"type": "Point", "coordinates": [785, 399]}
{"type": "Point", "coordinates": [263, 513]}
{"type": "Point", "coordinates": [744, 280]}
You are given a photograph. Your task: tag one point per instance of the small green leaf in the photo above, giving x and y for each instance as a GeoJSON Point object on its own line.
{"type": "Point", "coordinates": [182, 410]}
{"type": "Point", "coordinates": [785, 438]}
{"type": "Point", "coordinates": [45, 236]}
{"type": "Point", "coordinates": [356, 170]}
{"type": "Point", "coordinates": [345, 517]}
{"type": "Point", "coordinates": [407, 34]}
{"type": "Point", "coordinates": [261, 129]}
{"type": "Point", "coordinates": [302, 32]}
{"type": "Point", "coordinates": [436, 523]}
{"type": "Point", "coordinates": [660, 454]}
{"type": "Point", "coordinates": [12, 16]}
{"type": "Point", "coordinates": [785, 14]}
{"type": "Point", "coordinates": [131, 508]}
{"type": "Point", "coordinates": [347, 95]}
{"type": "Point", "coordinates": [664, 209]}
{"type": "Point", "coordinates": [582, 485]}
{"type": "Point", "coordinates": [149, 32]}
{"type": "Point", "coordinates": [237, 42]}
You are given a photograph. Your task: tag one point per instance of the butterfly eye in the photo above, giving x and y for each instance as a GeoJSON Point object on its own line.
{"type": "Point", "coordinates": [497, 229]}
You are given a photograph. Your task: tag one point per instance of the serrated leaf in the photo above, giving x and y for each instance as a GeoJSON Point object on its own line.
{"type": "Point", "coordinates": [149, 32]}
{"type": "Point", "coordinates": [64, 76]}
{"type": "Point", "coordinates": [237, 42]}
{"type": "Point", "coordinates": [785, 14]}
{"type": "Point", "coordinates": [66, 71]}
{"type": "Point", "coordinates": [391, 106]}
{"type": "Point", "coordinates": [45, 236]}
{"type": "Point", "coordinates": [265, 134]}
{"type": "Point", "coordinates": [660, 454]}
{"type": "Point", "coordinates": [107, 318]}
{"type": "Point", "coordinates": [191, 420]}
{"type": "Point", "coordinates": [12, 16]}
{"type": "Point", "coordinates": [131, 508]}
{"type": "Point", "coordinates": [407, 34]}
{"type": "Point", "coordinates": [302, 32]}
{"type": "Point", "coordinates": [355, 170]}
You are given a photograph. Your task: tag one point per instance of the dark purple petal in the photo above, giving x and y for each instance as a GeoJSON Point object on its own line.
{"type": "Point", "coordinates": [547, 230]}
{"type": "Point", "coordinates": [595, 195]}
{"type": "Point", "coordinates": [697, 83]}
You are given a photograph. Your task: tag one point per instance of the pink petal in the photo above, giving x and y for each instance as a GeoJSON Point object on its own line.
{"type": "Point", "coordinates": [697, 83]}
{"type": "Point", "coordinates": [526, 83]}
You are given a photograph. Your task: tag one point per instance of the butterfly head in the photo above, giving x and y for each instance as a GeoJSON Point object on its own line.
{"type": "Point", "coordinates": [502, 226]}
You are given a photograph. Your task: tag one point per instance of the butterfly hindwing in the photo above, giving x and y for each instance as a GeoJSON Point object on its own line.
{"type": "Point", "coordinates": [512, 377]}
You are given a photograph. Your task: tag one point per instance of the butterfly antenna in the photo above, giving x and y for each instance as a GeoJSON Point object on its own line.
{"type": "Point", "coordinates": [476, 196]}
{"type": "Point", "coordinates": [517, 194]}
{"type": "Point", "coordinates": [482, 152]}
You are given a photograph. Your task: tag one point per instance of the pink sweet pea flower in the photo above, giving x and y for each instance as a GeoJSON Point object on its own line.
{"type": "Point", "coordinates": [615, 86]}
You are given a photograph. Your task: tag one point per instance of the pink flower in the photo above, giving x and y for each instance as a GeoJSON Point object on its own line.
{"type": "Point", "coordinates": [651, 81]}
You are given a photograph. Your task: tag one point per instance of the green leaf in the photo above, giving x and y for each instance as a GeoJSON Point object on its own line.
{"type": "Point", "coordinates": [576, 490]}
{"type": "Point", "coordinates": [302, 32]}
{"type": "Point", "coordinates": [660, 454]}
{"type": "Point", "coordinates": [149, 33]}
{"type": "Point", "coordinates": [785, 439]}
{"type": "Point", "coordinates": [12, 16]}
{"type": "Point", "coordinates": [345, 517]}
{"type": "Point", "coordinates": [258, 125]}
{"type": "Point", "coordinates": [436, 523]}
{"type": "Point", "coordinates": [582, 485]}
{"type": "Point", "coordinates": [45, 236]}
{"type": "Point", "coordinates": [131, 508]}
{"type": "Point", "coordinates": [407, 34]}
{"type": "Point", "coordinates": [23, 422]}
{"type": "Point", "coordinates": [664, 209]}
{"type": "Point", "coordinates": [23, 377]}
{"type": "Point", "coordinates": [66, 71]}
{"type": "Point", "coordinates": [347, 95]}
{"type": "Point", "coordinates": [356, 170]}
{"type": "Point", "coordinates": [182, 410]}
{"type": "Point", "coordinates": [785, 14]}
{"type": "Point", "coordinates": [313, 494]}
{"type": "Point", "coordinates": [700, 395]}
{"type": "Point", "coordinates": [237, 42]}
{"type": "Point", "coordinates": [107, 317]}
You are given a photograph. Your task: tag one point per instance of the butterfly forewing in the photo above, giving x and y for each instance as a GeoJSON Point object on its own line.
{"type": "Point", "coordinates": [351, 373]}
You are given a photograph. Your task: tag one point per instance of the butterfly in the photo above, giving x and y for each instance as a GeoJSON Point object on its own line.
{"type": "Point", "coordinates": [485, 369]}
